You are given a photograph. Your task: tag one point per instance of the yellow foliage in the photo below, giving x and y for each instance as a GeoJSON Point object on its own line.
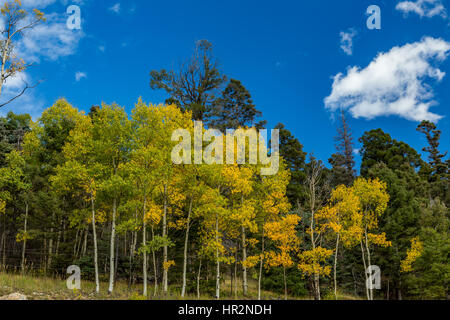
{"type": "Point", "coordinates": [412, 255]}
{"type": "Point", "coordinates": [284, 234]}
{"type": "Point", "coordinates": [154, 214]}
{"type": "Point", "coordinates": [2, 206]}
{"type": "Point", "coordinates": [355, 210]}
{"type": "Point", "coordinates": [251, 261]}
{"type": "Point", "coordinates": [310, 261]}
{"type": "Point", "coordinates": [167, 265]}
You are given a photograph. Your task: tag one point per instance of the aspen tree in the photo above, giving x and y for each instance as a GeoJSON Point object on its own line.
{"type": "Point", "coordinates": [112, 139]}
{"type": "Point", "coordinates": [283, 232]}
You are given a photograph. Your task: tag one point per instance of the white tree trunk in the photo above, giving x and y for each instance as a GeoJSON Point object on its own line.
{"type": "Point", "coordinates": [165, 271]}
{"type": "Point", "coordinates": [144, 243]}
{"type": "Point", "coordinates": [365, 269]}
{"type": "Point", "coordinates": [217, 260]}
{"type": "Point", "coordinates": [261, 265]}
{"type": "Point", "coordinates": [335, 266]}
{"type": "Point", "coordinates": [244, 268]}
{"type": "Point", "coordinates": [198, 279]}
{"type": "Point", "coordinates": [186, 241]}
{"type": "Point", "coordinates": [155, 271]}
{"type": "Point", "coordinates": [368, 260]}
{"type": "Point", "coordinates": [112, 252]}
{"type": "Point", "coordinates": [94, 232]}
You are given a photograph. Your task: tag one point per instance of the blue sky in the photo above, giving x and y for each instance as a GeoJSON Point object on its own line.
{"type": "Point", "coordinates": [286, 53]}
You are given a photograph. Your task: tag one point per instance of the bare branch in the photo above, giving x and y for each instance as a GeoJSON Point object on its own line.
{"type": "Point", "coordinates": [27, 86]}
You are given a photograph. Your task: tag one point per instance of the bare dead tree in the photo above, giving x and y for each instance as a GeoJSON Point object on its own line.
{"type": "Point", "coordinates": [195, 84]}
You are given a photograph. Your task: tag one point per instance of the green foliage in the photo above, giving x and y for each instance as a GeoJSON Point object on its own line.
{"type": "Point", "coordinates": [296, 284]}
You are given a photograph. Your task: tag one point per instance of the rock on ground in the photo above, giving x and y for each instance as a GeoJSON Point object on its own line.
{"type": "Point", "coordinates": [14, 296]}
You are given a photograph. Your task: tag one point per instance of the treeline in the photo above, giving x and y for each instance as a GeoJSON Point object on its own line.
{"type": "Point", "coordinates": [100, 190]}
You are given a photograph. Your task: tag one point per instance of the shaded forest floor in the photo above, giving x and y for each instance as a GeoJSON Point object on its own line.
{"type": "Point", "coordinates": [45, 288]}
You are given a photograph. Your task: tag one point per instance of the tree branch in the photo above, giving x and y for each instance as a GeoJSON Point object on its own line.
{"type": "Point", "coordinates": [21, 93]}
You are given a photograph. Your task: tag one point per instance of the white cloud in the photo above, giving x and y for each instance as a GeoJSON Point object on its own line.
{"type": "Point", "coordinates": [115, 8]}
{"type": "Point", "coordinates": [347, 41]}
{"type": "Point", "coordinates": [51, 40]}
{"type": "Point", "coordinates": [393, 83]}
{"type": "Point", "coordinates": [424, 8]}
{"type": "Point", "coordinates": [48, 40]}
{"type": "Point", "coordinates": [80, 75]}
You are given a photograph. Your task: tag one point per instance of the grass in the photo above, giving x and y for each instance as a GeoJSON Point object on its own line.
{"type": "Point", "coordinates": [45, 288]}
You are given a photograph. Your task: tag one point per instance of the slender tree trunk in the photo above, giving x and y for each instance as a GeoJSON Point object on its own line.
{"type": "Point", "coordinates": [144, 243]}
{"type": "Point", "coordinates": [116, 257]}
{"type": "Point", "coordinates": [198, 279]}
{"type": "Point", "coordinates": [186, 241]}
{"type": "Point", "coordinates": [75, 246]}
{"type": "Point", "coordinates": [50, 243]}
{"type": "Point", "coordinates": [368, 260]}
{"type": "Point", "coordinates": [285, 283]}
{"type": "Point", "coordinates": [3, 247]}
{"type": "Point", "coordinates": [387, 293]}
{"type": "Point", "coordinates": [58, 238]}
{"type": "Point", "coordinates": [4, 60]}
{"type": "Point", "coordinates": [2, 238]}
{"type": "Point", "coordinates": [244, 268]}
{"type": "Point", "coordinates": [155, 271]}
{"type": "Point", "coordinates": [365, 269]}
{"type": "Point", "coordinates": [94, 232]}
{"type": "Point", "coordinates": [132, 249]}
{"type": "Point", "coordinates": [85, 241]}
{"type": "Point", "coordinates": [24, 245]}
{"type": "Point", "coordinates": [112, 251]}
{"type": "Point", "coordinates": [231, 281]}
{"type": "Point", "coordinates": [244, 258]}
{"type": "Point", "coordinates": [217, 260]}
{"type": "Point", "coordinates": [335, 266]}
{"type": "Point", "coordinates": [261, 265]}
{"type": "Point", "coordinates": [164, 234]}
{"type": "Point", "coordinates": [235, 275]}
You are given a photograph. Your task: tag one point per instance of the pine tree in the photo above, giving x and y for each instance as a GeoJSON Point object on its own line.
{"type": "Point", "coordinates": [234, 109]}
{"type": "Point", "coordinates": [291, 150]}
{"type": "Point", "coordinates": [343, 171]}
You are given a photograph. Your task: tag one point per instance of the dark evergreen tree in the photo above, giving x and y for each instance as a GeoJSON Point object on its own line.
{"type": "Point", "coordinates": [433, 137]}
{"type": "Point", "coordinates": [292, 152]}
{"type": "Point", "coordinates": [378, 146]}
{"type": "Point", "coordinates": [343, 162]}
{"type": "Point", "coordinates": [437, 172]}
{"type": "Point", "coordinates": [234, 109]}
{"type": "Point", "coordinates": [12, 130]}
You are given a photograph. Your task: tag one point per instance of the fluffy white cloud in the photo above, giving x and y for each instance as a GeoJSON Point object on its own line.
{"type": "Point", "coordinates": [51, 40]}
{"type": "Point", "coordinates": [347, 41]}
{"type": "Point", "coordinates": [80, 75]}
{"type": "Point", "coordinates": [424, 8]}
{"type": "Point", "coordinates": [115, 8]}
{"type": "Point", "coordinates": [393, 83]}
